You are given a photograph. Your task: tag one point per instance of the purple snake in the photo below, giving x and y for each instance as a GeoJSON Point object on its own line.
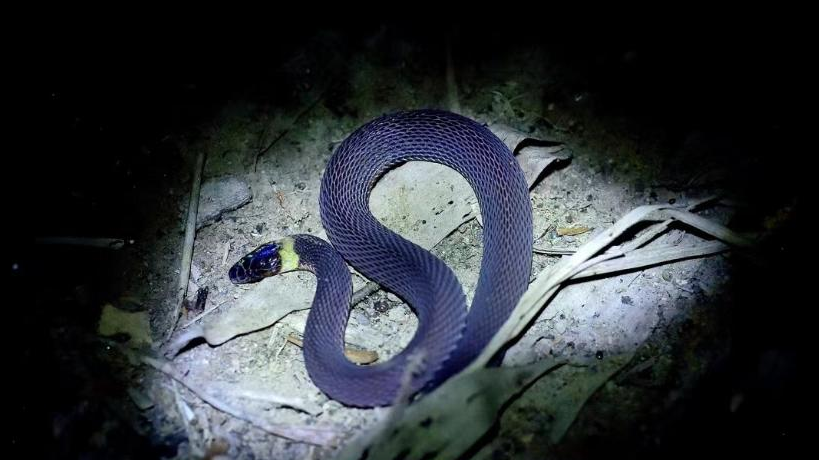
{"type": "Point", "coordinates": [448, 336]}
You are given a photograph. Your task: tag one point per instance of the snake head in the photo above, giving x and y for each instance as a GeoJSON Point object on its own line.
{"type": "Point", "coordinates": [269, 259]}
{"type": "Point", "coordinates": [262, 262]}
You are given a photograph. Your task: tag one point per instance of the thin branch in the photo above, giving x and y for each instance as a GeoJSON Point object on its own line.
{"type": "Point", "coordinates": [355, 354]}
{"type": "Point", "coordinates": [203, 314]}
{"type": "Point", "coordinates": [293, 123]}
{"type": "Point", "coordinates": [362, 293]}
{"type": "Point", "coordinates": [319, 436]}
{"type": "Point", "coordinates": [451, 83]}
{"type": "Point", "coordinates": [551, 279]}
{"type": "Point", "coordinates": [554, 251]}
{"type": "Point", "coordinates": [187, 247]}
{"type": "Point", "coordinates": [105, 243]}
{"type": "Point", "coordinates": [652, 256]}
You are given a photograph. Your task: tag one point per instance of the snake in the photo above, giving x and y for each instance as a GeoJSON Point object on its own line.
{"type": "Point", "coordinates": [449, 335]}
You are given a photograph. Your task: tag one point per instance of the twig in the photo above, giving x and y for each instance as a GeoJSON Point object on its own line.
{"type": "Point", "coordinates": [451, 84]}
{"type": "Point", "coordinates": [188, 334]}
{"type": "Point", "coordinates": [226, 253]}
{"type": "Point", "coordinates": [203, 314]}
{"type": "Point", "coordinates": [652, 256]}
{"type": "Point", "coordinates": [319, 436]}
{"type": "Point", "coordinates": [182, 406]}
{"type": "Point", "coordinates": [636, 369]}
{"type": "Point", "coordinates": [106, 243]}
{"type": "Point", "coordinates": [279, 400]}
{"type": "Point", "coordinates": [415, 362]}
{"type": "Point", "coordinates": [362, 293]}
{"type": "Point", "coordinates": [712, 228]}
{"type": "Point", "coordinates": [543, 233]}
{"type": "Point", "coordinates": [187, 248]}
{"type": "Point", "coordinates": [295, 121]}
{"type": "Point", "coordinates": [661, 227]}
{"type": "Point", "coordinates": [275, 141]}
{"type": "Point", "coordinates": [281, 348]}
{"type": "Point", "coordinates": [396, 412]}
{"type": "Point", "coordinates": [554, 251]}
{"type": "Point", "coordinates": [551, 279]}
{"type": "Point", "coordinates": [356, 355]}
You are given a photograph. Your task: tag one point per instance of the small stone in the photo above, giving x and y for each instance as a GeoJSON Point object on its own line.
{"type": "Point", "coordinates": [360, 318]}
{"type": "Point", "coordinates": [381, 306]}
{"type": "Point", "coordinates": [140, 399]}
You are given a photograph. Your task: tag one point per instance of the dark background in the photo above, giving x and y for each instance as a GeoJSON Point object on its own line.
{"type": "Point", "coordinates": [89, 99]}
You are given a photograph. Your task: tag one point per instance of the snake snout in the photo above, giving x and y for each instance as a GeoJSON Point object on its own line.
{"type": "Point", "coordinates": [238, 274]}
{"type": "Point", "coordinates": [264, 261]}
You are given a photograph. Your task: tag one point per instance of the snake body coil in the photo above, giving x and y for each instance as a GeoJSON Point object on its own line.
{"type": "Point", "coordinates": [448, 337]}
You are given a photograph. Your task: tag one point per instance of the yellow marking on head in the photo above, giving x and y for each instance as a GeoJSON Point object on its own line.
{"type": "Point", "coordinates": [288, 256]}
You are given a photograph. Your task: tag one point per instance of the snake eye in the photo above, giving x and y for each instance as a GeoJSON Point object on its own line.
{"type": "Point", "coordinates": [238, 273]}
{"type": "Point", "coordinates": [262, 264]}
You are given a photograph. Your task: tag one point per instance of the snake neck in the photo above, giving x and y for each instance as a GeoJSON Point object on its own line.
{"type": "Point", "coordinates": [312, 254]}
{"type": "Point", "coordinates": [319, 257]}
